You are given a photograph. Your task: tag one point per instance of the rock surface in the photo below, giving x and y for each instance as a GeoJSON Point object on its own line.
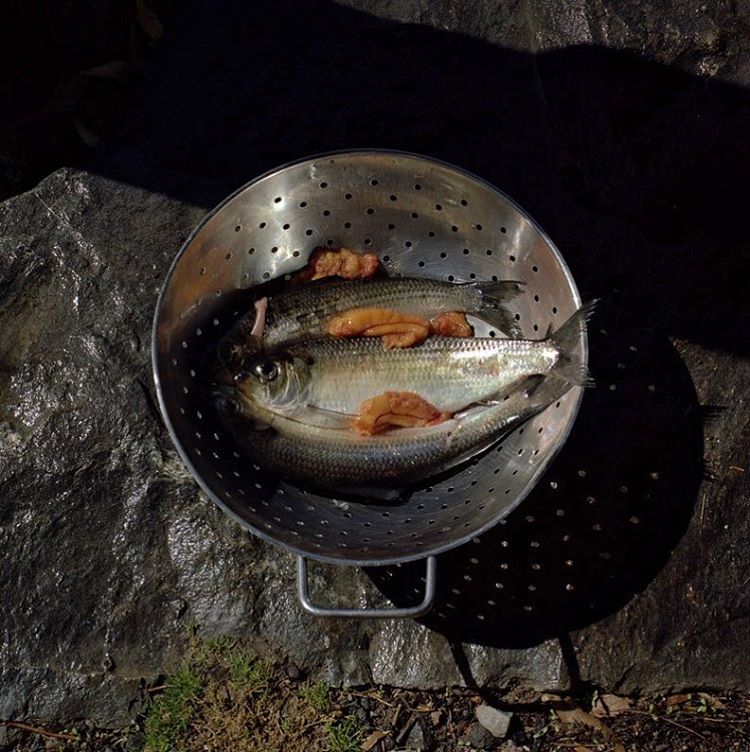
{"type": "Point", "coordinates": [627, 568]}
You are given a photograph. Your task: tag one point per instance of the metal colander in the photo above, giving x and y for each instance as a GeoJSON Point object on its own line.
{"type": "Point", "coordinates": [423, 218]}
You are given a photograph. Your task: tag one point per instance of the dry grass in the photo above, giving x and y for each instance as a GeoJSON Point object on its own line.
{"type": "Point", "coordinates": [226, 700]}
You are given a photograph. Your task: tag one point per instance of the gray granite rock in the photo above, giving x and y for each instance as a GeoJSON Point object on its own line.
{"type": "Point", "coordinates": [627, 568]}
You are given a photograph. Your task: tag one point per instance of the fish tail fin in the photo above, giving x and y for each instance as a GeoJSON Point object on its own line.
{"type": "Point", "coordinates": [495, 298]}
{"type": "Point", "coordinates": [570, 367]}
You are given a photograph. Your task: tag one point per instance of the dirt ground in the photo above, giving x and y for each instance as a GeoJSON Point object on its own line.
{"type": "Point", "coordinates": [226, 699]}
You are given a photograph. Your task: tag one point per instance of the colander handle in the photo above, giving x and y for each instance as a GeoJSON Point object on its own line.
{"type": "Point", "coordinates": [368, 613]}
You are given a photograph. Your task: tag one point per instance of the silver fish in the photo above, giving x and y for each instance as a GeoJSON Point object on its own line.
{"type": "Point", "coordinates": [304, 312]}
{"type": "Point", "coordinates": [342, 461]}
{"type": "Point", "coordinates": [334, 376]}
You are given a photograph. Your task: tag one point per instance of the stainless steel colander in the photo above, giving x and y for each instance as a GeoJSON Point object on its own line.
{"type": "Point", "coordinates": [424, 218]}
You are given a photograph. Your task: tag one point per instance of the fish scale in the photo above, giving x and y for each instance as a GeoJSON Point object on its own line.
{"type": "Point", "coordinates": [450, 373]}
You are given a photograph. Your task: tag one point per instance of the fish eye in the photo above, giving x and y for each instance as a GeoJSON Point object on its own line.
{"type": "Point", "coordinates": [266, 370]}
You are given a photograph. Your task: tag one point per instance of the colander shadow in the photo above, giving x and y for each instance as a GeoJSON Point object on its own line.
{"type": "Point", "coordinates": [599, 526]}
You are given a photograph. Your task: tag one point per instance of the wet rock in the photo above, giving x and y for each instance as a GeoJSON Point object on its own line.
{"type": "Point", "coordinates": [495, 721]}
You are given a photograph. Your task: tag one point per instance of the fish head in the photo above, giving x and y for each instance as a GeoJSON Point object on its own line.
{"type": "Point", "coordinates": [279, 383]}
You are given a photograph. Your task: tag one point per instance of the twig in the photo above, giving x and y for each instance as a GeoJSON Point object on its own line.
{"type": "Point", "coordinates": [37, 730]}
{"type": "Point", "coordinates": [156, 689]}
{"type": "Point", "coordinates": [674, 723]}
{"type": "Point", "coordinates": [721, 720]}
{"type": "Point", "coordinates": [374, 697]}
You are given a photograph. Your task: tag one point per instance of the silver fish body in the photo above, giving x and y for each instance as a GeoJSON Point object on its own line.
{"type": "Point", "coordinates": [450, 373]}
{"type": "Point", "coordinates": [334, 376]}
{"type": "Point", "coordinates": [304, 312]}
{"type": "Point", "coordinates": [340, 460]}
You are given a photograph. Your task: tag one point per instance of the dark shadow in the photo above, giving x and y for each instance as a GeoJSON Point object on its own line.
{"type": "Point", "coordinates": [638, 173]}
{"type": "Point", "coordinates": [601, 523]}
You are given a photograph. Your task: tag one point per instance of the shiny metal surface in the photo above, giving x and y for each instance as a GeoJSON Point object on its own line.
{"type": "Point", "coordinates": [390, 612]}
{"type": "Point", "coordinates": [423, 218]}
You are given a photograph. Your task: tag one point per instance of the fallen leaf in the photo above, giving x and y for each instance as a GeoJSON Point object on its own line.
{"type": "Point", "coordinates": [148, 21]}
{"type": "Point", "coordinates": [611, 705]}
{"type": "Point", "coordinates": [577, 715]}
{"type": "Point", "coordinates": [582, 749]}
{"type": "Point", "coordinates": [713, 702]}
{"type": "Point", "coordinates": [676, 700]}
{"type": "Point", "coordinates": [373, 739]}
{"type": "Point", "coordinates": [435, 717]}
{"type": "Point", "coordinates": [422, 709]}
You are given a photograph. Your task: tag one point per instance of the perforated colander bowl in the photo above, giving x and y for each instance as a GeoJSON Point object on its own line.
{"type": "Point", "coordinates": [423, 218]}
